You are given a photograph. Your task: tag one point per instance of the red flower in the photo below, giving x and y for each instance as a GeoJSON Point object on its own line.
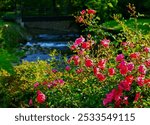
{"type": "Point", "coordinates": [67, 68]}
{"type": "Point", "coordinates": [78, 71]}
{"type": "Point", "coordinates": [122, 64]}
{"type": "Point", "coordinates": [30, 102]}
{"type": "Point", "coordinates": [124, 44]}
{"type": "Point", "coordinates": [129, 78]}
{"type": "Point", "coordinates": [102, 63]}
{"type": "Point", "coordinates": [76, 59]}
{"type": "Point", "coordinates": [124, 85]}
{"type": "Point", "coordinates": [120, 58]}
{"type": "Point", "coordinates": [105, 42]}
{"type": "Point", "coordinates": [101, 77]}
{"type": "Point", "coordinates": [111, 71]}
{"type": "Point", "coordinates": [79, 40]}
{"type": "Point", "coordinates": [73, 47]}
{"type": "Point", "coordinates": [88, 63]}
{"type": "Point", "coordinates": [142, 69]}
{"type": "Point", "coordinates": [117, 95]}
{"type": "Point", "coordinates": [96, 70]}
{"type": "Point", "coordinates": [135, 55]}
{"type": "Point", "coordinates": [147, 49]}
{"type": "Point", "coordinates": [85, 45]}
{"type": "Point", "coordinates": [54, 70]}
{"type": "Point", "coordinates": [80, 19]}
{"type": "Point", "coordinates": [82, 12]}
{"type": "Point", "coordinates": [90, 11]}
{"type": "Point", "coordinates": [105, 101]}
{"type": "Point", "coordinates": [109, 97]}
{"type": "Point", "coordinates": [41, 98]}
{"type": "Point", "coordinates": [147, 81]}
{"type": "Point", "coordinates": [81, 52]}
{"type": "Point", "coordinates": [140, 81]}
{"type": "Point", "coordinates": [36, 85]}
{"type": "Point", "coordinates": [137, 96]}
{"type": "Point", "coordinates": [130, 66]}
{"type": "Point", "coordinates": [60, 81]}
{"type": "Point", "coordinates": [45, 83]}
{"type": "Point", "coordinates": [39, 92]}
{"type": "Point", "coordinates": [76, 62]}
{"type": "Point", "coordinates": [123, 70]}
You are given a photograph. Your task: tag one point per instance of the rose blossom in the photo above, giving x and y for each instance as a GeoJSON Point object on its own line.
{"type": "Point", "coordinates": [88, 62]}
{"type": "Point", "coordinates": [79, 40]}
{"type": "Point", "coordinates": [135, 55]}
{"type": "Point", "coordinates": [73, 47]}
{"type": "Point", "coordinates": [129, 78]}
{"type": "Point", "coordinates": [140, 81]}
{"type": "Point", "coordinates": [96, 70]}
{"type": "Point", "coordinates": [41, 98]}
{"type": "Point", "coordinates": [137, 96]}
{"type": "Point", "coordinates": [147, 49]}
{"type": "Point", "coordinates": [91, 11]}
{"type": "Point", "coordinates": [123, 67]}
{"type": "Point", "coordinates": [109, 97]}
{"type": "Point", "coordinates": [38, 92]}
{"type": "Point", "coordinates": [78, 71]}
{"type": "Point", "coordinates": [117, 94]}
{"type": "Point", "coordinates": [142, 69]}
{"type": "Point", "coordinates": [80, 19]}
{"type": "Point", "coordinates": [102, 63]}
{"type": "Point", "coordinates": [54, 70]}
{"type": "Point", "coordinates": [30, 102]}
{"type": "Point", "coordinates": [124, 70]}
{"type": "Point", "coordinates": [147, 81]}
{"type": "Point", "coordinates": [124, 44]}
{"type": "Point", "coordinates": [85, 45]}
{"type": "Point", "coordinates": [130, 66]}
{"type": "Point", "coordinates": [82, 12]}
{"type": "Point", "coordinates": [111, 71]}
{"type": "Point", "coordinates": [105, 42]}
{"type": "Point", "coordinates": [36, 85]}
{"type": "Point", "coordinates": [122, 64]}
{"type": "Point", "coordinates": [120, 58]}
{"type": "Point", "coordinates": [125, 85]}
{"type": "Point", "coordinates": [67, 68]}
{"type": "Point", "coordinates": [101, 77]}
{"type": "Point", "coordinates": [61, 81]}
{"type": "Point", "coordinates": [76, 59]}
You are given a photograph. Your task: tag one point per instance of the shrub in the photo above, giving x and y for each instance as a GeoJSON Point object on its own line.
{"type": "Point", "coordinates": [101, 73]}
{"type": "Point", "coordinates": [11, 35]}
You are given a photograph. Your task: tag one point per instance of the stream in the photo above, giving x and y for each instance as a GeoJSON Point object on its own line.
{"type": "Point", "coordinates": [40, 46]}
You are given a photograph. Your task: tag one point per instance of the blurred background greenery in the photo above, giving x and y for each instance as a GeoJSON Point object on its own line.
{"type": "Point", "coordinates": [104, 8]}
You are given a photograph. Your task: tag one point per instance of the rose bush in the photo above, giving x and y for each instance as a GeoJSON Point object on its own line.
{"type": "Point", "coordinates": [100, 73]}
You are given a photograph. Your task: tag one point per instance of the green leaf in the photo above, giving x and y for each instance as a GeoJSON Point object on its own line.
{"type": "Point", "coordinates": [110, 5]}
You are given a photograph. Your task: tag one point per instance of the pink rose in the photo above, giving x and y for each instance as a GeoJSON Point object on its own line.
{"type": "Point", "coordinates": [105, 42]}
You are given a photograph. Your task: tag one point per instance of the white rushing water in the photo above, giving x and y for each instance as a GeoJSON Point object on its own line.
{"type": "Point", "coordinates": [39, 47]}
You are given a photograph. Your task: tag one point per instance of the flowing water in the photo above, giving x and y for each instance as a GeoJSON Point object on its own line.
{"type": "Point", "coordinates": [39, 47]}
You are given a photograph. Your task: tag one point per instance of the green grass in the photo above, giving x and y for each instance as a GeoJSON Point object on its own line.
{"type": "Point", "coordinates": [143, 25]}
